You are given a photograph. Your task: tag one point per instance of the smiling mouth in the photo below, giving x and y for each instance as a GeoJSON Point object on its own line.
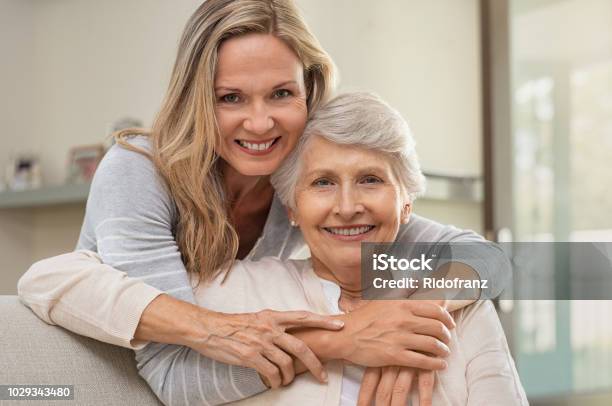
{"type": "Point", "coordinates": [349, 231]}
{"type": "Point", "coordinates": [257, 146]}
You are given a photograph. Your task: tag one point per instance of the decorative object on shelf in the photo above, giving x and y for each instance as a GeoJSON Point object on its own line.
{"type": "Point", "coordinates": [83, 161]}
{"type": "Point", "coordinates": [121, 124]}
{"type": "Point", "coordinates": [23, 172]}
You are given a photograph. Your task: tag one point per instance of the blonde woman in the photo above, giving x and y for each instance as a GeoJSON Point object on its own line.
{"type": "Point", "coordinates": [192, 195]}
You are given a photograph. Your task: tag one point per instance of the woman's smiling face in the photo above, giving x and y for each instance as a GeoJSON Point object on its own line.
{"type": "Point", "coordinates": [346, 195]}
{"type": "Point", "coordinates": [260, 102]}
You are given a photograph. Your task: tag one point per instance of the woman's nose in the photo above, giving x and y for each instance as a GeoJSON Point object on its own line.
{"type": "Point", "coordinates": [348, 203]}
{"type": "Point", "coordinates": [258, 121]}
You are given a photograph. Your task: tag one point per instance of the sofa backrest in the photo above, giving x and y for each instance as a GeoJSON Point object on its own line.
{"type": "Point", "coordinates": [33, 352]}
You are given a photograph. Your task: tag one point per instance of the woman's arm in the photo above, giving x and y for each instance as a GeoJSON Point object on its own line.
{"type": "Point", "coordinates": [476, 258]}
{"type": "Point", "coordinates": [129, 221]}
{"type": "Point", "coordinates": [79, 293]}
{"type": "Point", "coordinates": [491, 375]}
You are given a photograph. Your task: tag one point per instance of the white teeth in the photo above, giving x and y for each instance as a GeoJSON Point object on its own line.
{"type": "Point", "coordinates": [255, 147]}
{"type": "Point", "coordinates": [350, 231]}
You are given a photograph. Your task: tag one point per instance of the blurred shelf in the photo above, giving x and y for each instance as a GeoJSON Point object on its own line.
{"type": "Point", "coordinates": [439, 188]}
{"type": "Point", "coordinates": [453, 188]}
{"type": "Point", "coordinates": [45, 196]}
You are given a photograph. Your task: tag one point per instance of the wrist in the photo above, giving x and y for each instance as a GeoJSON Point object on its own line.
{"type": "Point", "coordinates": [338, 344]}
{"type": "Point", "coordinates": [171, 321]}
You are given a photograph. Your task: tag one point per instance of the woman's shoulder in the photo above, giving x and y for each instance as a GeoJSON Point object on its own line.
{"type": "Point", "coordinates": [422, 229]}
{"type": "Point", "coordinates": [128, 181]}
{"type": "Point", "coordinates": [477, 316]}
{"type": "Point", "coordinates": [120, 158]}
{"type": "Point", "coordinates": [124, 168]}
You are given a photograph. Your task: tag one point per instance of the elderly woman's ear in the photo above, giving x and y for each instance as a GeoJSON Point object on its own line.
{"type": "Point", "coordinates": [291, 216]}
{"type": "Point", "coordinates": [406, 210]}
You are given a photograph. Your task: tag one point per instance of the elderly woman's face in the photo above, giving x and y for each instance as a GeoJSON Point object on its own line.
{"type": "Point", "coordinates": [346, 195]}
{"type": "Point", "coordinates": [260, 102]}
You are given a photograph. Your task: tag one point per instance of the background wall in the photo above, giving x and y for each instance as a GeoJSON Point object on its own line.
{"type": "Point", "coordinates": [73, 67]}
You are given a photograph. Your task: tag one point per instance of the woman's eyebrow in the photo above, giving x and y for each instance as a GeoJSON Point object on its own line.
{"type": "Point", "coordinates": [318, 172]}
{"type": "Point", "coordinates": [372, 169]}
{"type": "Point", "coordinates": [289, 82]}
{"type": "Point", "coordinates": [236, 90]}
{"type": "Point", "coordinates": [230, 89]}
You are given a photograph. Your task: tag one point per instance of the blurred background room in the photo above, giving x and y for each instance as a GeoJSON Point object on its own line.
{"type": "Point", "coordinates": [510, 102]}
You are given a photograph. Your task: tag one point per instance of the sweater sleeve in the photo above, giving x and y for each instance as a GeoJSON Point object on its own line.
{"type": "Point", "coordinates": [492, 378]}
{"type": "Point", "coordinates": [487, 259]}
{"type": "Point", "coordinates": [62, 290]}
{"type": "Point", "coordinates": [129, 220]}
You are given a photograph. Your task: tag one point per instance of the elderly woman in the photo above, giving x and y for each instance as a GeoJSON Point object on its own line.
{"type": "Point", "coordinates": [353, 178]}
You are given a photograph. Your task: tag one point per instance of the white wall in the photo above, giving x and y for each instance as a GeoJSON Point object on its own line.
{"type": "Point", "coordinates": [72, 67]}
{"type": "Point", "coordinates": [423, 57]}
{"type": "Point", "coordinates": [83, 64]}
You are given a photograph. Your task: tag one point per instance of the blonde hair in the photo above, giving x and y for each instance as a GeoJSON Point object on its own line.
{"type": "Point", "coordinates": [185, 136]}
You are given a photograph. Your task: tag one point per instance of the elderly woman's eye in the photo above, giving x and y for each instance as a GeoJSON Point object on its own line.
{"type": "Point", "coordinates": [230, 98]}
{"type": "Point", "coordinates": [371, 179]}
{"type": "Point", "coordinates": [281, 94]}
{"type": "Point", "coordinates": [322, 182]}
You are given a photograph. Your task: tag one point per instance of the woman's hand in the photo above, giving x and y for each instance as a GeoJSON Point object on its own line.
{"type": "Point", "coordinates": [260, 341]}
{"type": "Point", "coordinates": [404, 333]}
{"type": "Point", "coordinates": [390, 386]}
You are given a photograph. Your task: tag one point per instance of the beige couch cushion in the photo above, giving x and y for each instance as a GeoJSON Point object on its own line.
{"type": "Point", "coordinates": [34, 352]}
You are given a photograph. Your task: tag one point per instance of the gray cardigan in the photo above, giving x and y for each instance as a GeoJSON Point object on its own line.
{"type": "Point", "coordinates": [130, 221]}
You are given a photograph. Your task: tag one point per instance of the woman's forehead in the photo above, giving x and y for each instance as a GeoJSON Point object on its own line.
{"type": "Point", "coordinates": [322, 155]}
{"type": "Point", "coordinates": [253, 58]}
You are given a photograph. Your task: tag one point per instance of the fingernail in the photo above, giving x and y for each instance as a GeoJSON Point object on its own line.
{"type": "Point", "coordinates": [324, 376]}
{"type": "Point", "coordinates": [338, 323]}
{"type": "Point", "coordinates": [444, 365]}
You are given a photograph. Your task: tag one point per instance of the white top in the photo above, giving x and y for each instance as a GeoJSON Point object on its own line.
{"type": "Point", "coordinates": [352, 374]}
{"type": "Point", "coordinates": [480, 372]}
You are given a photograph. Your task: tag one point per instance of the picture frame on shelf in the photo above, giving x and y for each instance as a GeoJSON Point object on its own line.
{"type": "Point", "coordinates": [83, 162]}
{"type": "Point", "coordinates": [23, 173]}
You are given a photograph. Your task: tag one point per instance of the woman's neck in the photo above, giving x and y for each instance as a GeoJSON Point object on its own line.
{"type": "Point", "coordinates": [349, 281]}
{"type": "Point", "coordinates": [238, 186]}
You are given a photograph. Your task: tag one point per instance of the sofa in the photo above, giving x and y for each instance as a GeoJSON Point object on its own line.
{"type": "Point", "coordinates": [36, 353]}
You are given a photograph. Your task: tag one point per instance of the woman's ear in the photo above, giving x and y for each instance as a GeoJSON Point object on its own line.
{"type": "Point", "coordinates": [406, 210]}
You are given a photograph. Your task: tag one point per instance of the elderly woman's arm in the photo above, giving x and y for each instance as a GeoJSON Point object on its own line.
{"type": "Point", "coordinates": [491, 375]}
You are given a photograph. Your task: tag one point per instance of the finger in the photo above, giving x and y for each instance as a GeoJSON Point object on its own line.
{"type": "Point", "coordinates": [385, 386]}
{"type": "Point", "coordinates": [369, 383]}
{"type": "Point", "coordinates": [283, 362]}
{"type": "Point", "coordinates": [403, 384]}
{"type": "Point", "coordinates": [433, 328]}
{"type": "Point", "coordinates": [425, 343]}
{"type": "Point", "coordinates": [301, 351]}
{"type": "Point", "coordinates": [415, 359]}
{"type": "Point", "coordinates": [434, 311]}
{"type": "Point", "coordinates": [426, 385]}
{"type": "Point", "coordinates": [268, 370]}
{"type": "Point", "coordinates": [293, 319]}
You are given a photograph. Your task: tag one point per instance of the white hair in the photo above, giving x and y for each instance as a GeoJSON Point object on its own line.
{"type": "Point", "coordinates": [361, 120]}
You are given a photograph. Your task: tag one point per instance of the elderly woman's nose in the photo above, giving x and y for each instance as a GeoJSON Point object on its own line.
{"type": "Point", "coordinates": [348, 203]}
{"type": "Point", "coordinates": [258, 120]}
